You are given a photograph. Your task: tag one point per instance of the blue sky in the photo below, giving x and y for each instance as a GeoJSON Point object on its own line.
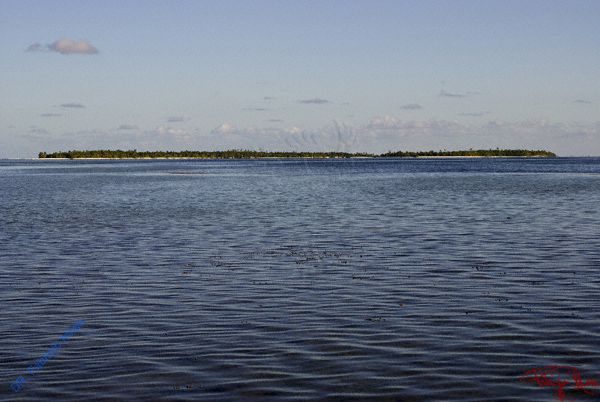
{"type": "Point", "coordinates": [312, 75]}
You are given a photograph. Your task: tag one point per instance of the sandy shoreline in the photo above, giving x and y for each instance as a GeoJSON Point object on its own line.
{"type": "Point", "coordinates": [307, 157]}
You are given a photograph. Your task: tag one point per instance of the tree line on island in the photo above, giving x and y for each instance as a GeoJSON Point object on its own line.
{"type": "Point", "coordinates": [248, 154]}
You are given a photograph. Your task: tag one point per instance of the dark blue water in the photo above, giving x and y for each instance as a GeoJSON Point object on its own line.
{"type": "Point", "coordinates": [430, 279]}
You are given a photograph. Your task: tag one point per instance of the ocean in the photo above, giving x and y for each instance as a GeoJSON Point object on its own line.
{"type": "Point", "coordinates": [338, 279]}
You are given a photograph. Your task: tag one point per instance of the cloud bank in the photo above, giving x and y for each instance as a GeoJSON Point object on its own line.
{"type": "Point", "coordinates": [411, 106]}
{"type": "Point", "coordinates": [127, 127]}
{"type": "Point", "coordinates": [385, 133]}
{"type": "Point", "coordinates": [446, 94]}
{"type": "Point", "coordinates": [380, 134]}
{"type": "Point", "coordinates": [72, 105]}
{"type": "Point", "coordinates": [175, 119]}
{"type": "Point", "coordinates": [64, 46]}
{"type": "Point", "coordinates": [474, 114]}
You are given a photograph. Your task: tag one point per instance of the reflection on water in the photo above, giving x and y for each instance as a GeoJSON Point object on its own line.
{"type": "Point", "coordinates": [343, 279]}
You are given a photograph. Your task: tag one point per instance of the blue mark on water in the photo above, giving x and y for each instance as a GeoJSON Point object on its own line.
{"type": "Point", "coordinates": [20, 381]}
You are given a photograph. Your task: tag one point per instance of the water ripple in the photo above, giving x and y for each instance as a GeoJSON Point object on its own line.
{"type": "Point", "coordinates": [299, 280]}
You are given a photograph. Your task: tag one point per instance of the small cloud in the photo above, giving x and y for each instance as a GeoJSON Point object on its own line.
{"type": "Point", "coordinates": [255, 109]}
{"type": "Point", "coordinates": [411, 106]}
{"type": "Point", "coordinates": [127, 127]}
{"type": "Point", "coordinates": [314, 101]}
{"type": "Point", "coordinates": [69, 46]}
{"type": "Point", "coordinates": [383, 123]}
{"type": "Point", "coordinates": [166, 130]}
{"type": "Point", "coordinates": [50, 115]}
{"type": "Point", "coordinates": [38, 130]}
{"type": "Point", "coordinates": [473, 114]}
{"type": "Point", "coordinates": [64, 46]}
{"type": "Point", "coordinates": [582, 101]}
{"type": "Point", "coordinates": [175, 119]}
{"type": "Point", "coordinates": [72, 105]}
{"type": "Point", "coordinates": [446, 94]}
{"type": "Point", "coordinates": [36, 47]}
{"type": "Point", "coordinates": [225, 128]}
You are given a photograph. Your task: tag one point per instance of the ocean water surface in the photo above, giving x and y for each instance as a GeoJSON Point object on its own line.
{"type": "Point", "coordinates": [358, 279]}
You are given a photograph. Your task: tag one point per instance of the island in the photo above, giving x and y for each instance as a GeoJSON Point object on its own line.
{"type": "Point", "coordinates": [249, 154]}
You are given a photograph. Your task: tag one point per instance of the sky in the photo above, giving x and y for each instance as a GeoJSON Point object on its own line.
{"type": "Point", "coordinates": [355, 76]}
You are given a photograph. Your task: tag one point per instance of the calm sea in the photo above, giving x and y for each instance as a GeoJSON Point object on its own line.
{"type": "Point", "coordinates": [409, 280]}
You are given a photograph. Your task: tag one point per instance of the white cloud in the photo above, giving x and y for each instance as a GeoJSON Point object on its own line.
{"type": "Point", "coordinates": [225, 128]}
{"type": "Point", "coordinates": [69, 46]}
{"type": "Point", "coordinates": [383, 123]}
{"type": "Point", "coordinates": [64, 46]}
{"type": "Point", "coordinates": [162, 130]}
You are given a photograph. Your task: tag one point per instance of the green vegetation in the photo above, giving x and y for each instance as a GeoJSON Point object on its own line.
{"type": "Point", "coordinates": [473, 152]}
{"type": "Point", "coordinates": [229, 154]}
{"type": "Point", "coordinates": [247, 154]}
